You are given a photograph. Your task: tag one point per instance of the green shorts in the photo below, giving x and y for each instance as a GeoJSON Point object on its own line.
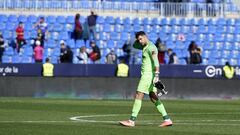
{"type": "Point", "coordinates": [145, 84]}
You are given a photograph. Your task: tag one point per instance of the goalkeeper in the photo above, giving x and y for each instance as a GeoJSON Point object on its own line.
{"type": "Point", "coordinates": [149, 76]}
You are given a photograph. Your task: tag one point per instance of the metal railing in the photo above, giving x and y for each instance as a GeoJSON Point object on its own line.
{"type": "Point", "coordinates": [163, 9]}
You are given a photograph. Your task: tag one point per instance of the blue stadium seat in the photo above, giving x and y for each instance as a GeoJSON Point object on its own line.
{"type": "Point", "coordinates": [211, 22]}
{"type": "Point", "coordinates": [50, 43]}
{"type": "Point", "coordinates": [57, 27]}
{"type": "Point", "coordinates": [211, 29]}
{"type": "Point", "coordinates": [218, 46]}
{"type": "Point", "coordinates": [180, 45]}
{"type": "Point", "coordinates": [3, 18]}
{"type": "Point", "coordinates": [118, 28]}
{"type": "Point", "coordinates": [32, 19]}
{"type": "Point", "coordinates": [127, 20]}
{"type": "Point", "coordinates": [231, 22]}
{"type": "Point", "coordinates": [70, 19]}
{"type": "Point", "coordinates": [216, 54]}
{"type": "Point", "coordinates": [230, 29]}
{"type": "Point", "coordinates": [221, 22]}
{"type": "Point", "coordinates": [206, 54]}
{"type": "Point", "coordinates": [222, 61]}
{"type": "Point", "coordinates": [103, 36]}
{"type": "Point", "coordinates": [124, 36]}
{"type": "Point", "coordinates": [16, 59]}
{"type": "Point", "coordinates": [233, 61]}
{"type": "Point", "coordinates": [165, 21]}
{"type": "Point", "coordinates": [56, 52]}
{"type": "Point", "coordinates": [79, 43]}
{"type": "Point", "coordinates": [11, 26]}
{"type": "Point", "coordinates": [212, 61]}
{"type": "Point", "coordinates": [22, 18]}
{"type": "Point", "coordinates": [51, 19]}
{"type": "Point", "coordinates": [8, 51]}
{"type": "Point", "coordinates": [107, 28]}
{"type": "Point", "coordinates": [235, 54]}
{"type": "Point", "coordinates": [137, 21]}
{"type": "Point", "coordinates": [119, 20]}
{"type": "Point", "coordinates": [63, 36]}
{"type": "Point", "coordinates": [120, 43]}
{"type": "Point", "coordinates": [61, 19]}
{"type": "Point", "coordinates": [13, 18]}
{"type": "Point", "coordinates": [156, 21]}
{"type": "Point", "coordinates": [2, 26]}
{"type": "Point", "coordinates": [127, 28]}
{"type": "Point", "coordinates": [137, 28]}
{"type": "Point", "coordinates": [27, 59]}
{"type": "Point", "coordinates": [182, 62]}
{"type": "Point", "coordinates": [229, 38]}
{"type": "Point", "coordinates": [7, 34]}
{"type": "Point", "coordinates": [114, 36]}
{"type": "Point", "coordinates": [184, 22]}
{"type": "Point", "coordinates": [226, 54]}
{"type": "Point", "coordinates": [201, 29]}
{"type": "Point", "coordinates": [153, 36]}
{"type": "Point", "coordinates": [170, 44]}
{"type": "Point", "coordinates": [6, 59]}
{"type": "Point", "coordinates": [147, 28]}
{"type": "Point", "coordinates": [110, 20]}
{"type": "Point", "coordinates": [147, 21]}
{"type": "Point", "coordinates": [100, 20]}
{"type": "Point", "coordinates": [110, 44]}
{"type": "Point", "coordinates": [28, 51]}
{"type": "Point", "coordinates": [202, 21]}
{"type": "Point", "coordinates": [54, 35]}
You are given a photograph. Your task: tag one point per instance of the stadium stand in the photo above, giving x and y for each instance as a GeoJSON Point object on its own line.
{"type": "Point", "coordinates": [217, 36]}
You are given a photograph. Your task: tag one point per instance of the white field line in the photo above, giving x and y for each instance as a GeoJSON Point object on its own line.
{"type": "Point", "coordinates": [83, 119]}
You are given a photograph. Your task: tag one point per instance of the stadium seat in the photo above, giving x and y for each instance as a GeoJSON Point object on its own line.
{"type": "Point", "coordinates": [27, 59]}
{"type": "Point", "coordinates": [22, 18]}
{"type": "Point", "coordinates": [147, 21]}
{"type": "Point", "coordinates": [32, 19]}
{"type": "Point", "coordinates": [16, 59]}
{"type": "Point", "coordinates": [61, 19]}
{"type": "Point", "coordinates": [13, 19]}
{"type": "Point", "coordinates": [110, 44]}
{"type": "Point", "coordinates": [114, 36]}
{"type": "Point", "coordinates": [156, 21]}
{"type": "Point", "coordinates": [110, 20]}
{"type": "Point", "coordinates": [70, 19]}
{"type": "Point", "coordinates": [51, 19]}
{"type": "Point", "coordinates": [100, 20]}
{"type": "Point", "coordinates": [28, 51]}
{"type": "Point", "coordinates": [8, 51]}
{"type": "Point", "coordinates": [79, 43]}
{"type": "Point", "coordinates": [6, 59]}
{"type": "Point", "coordinates": [2, 26]}
{"type": "Point", "coordinates": [119, 20]}
{"type": "Point", "coordinates": [3, 18]}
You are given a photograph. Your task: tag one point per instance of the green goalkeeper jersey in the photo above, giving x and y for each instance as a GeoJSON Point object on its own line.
{"type": "Point", "coordinates": [149, 61]}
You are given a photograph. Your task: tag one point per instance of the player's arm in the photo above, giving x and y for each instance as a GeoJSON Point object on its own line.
{"type": "Point", "coordinates": [154, 54]}
{"type": "Point", "coordinates": [137, 45]}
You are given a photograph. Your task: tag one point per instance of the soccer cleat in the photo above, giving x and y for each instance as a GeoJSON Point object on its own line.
{"type": "Point", "coordinates": [161, 88]}
{"type": "Point", "coordinates": [127, 123]}
{"type": "Point", "coordinates": [166, 123]}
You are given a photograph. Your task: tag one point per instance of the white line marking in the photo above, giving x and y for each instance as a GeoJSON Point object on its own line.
{"type": "Point", "coordinates": [197, 71]}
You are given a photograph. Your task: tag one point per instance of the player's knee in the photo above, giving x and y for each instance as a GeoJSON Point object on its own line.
{"type": "Point", "coordinates": [139, 95]}
{"type": "Point", "coordinates": [153, 97]}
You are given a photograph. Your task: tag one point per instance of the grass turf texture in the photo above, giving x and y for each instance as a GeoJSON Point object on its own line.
{"type": "Point", "coordinates": [34, 116]}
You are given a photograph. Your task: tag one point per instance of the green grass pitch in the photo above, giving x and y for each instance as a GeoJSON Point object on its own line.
{"type": "Point", "coordinates": [37, 116]}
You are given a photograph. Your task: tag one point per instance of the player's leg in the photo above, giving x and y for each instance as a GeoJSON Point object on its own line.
{"type": "Point", "coordinates": [160, 107]}
{"type": "Point", "coordinates": [135, 110]}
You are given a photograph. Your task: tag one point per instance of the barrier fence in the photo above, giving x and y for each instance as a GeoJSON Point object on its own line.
{"type": "Point", "coordinates": [163, 9]}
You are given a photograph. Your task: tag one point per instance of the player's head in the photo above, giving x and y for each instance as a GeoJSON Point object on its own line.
{"type": "Point", "coordinates": [47, 60]}
{"type": "Point", "coordinates": [141, 37]}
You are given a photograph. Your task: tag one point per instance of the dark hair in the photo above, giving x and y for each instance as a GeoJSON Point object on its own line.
{"type": "Point", "coordinates": [77, 17]}
{"type": "Point", "coordinates": [47, 60]}
{"type": "Point", "coordinates": [140, 33]}
{"type": "Point", "coordinates": [20, 22]}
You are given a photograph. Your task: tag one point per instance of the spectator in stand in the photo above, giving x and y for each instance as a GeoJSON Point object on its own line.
{"type": "Point", "coordinates": [63, 52]}
{"type": "Point", "coordinates": [38, 52]}
{"type": "Point", "coordinates": [173, 59]}
{"type": "Point", "coordinates": [69, 55]}
{"type": "Point", "coordinates": [111, 58]}
{"type": "Point", "coordinates": [77, 33]}
{"type": "Point", "coordinates": [196, 57]}
{"type": "Point", "coordinates": [95, 54]}
{"type": "Point", "coordinates": [83, 56]}
{"type": "Point", "coordinates": [127, 51]}
{"type": "Point", "coordinates": [122, 69]}
{"type": "Point", "coordinates": [191, 49]}
{"type": "Point", "coordinates": [42, 30]}
{"type": "Point", "coordinates": [20, 36]}
{"type": "Point", "coordinates": [92, 19]}
{"type": "Point", "coordinates": [1, 46]}
{"type": "Point", "coordinates": [161, 51]}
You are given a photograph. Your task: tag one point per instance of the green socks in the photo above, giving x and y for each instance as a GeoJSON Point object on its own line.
{"type": "Point", "coordinates": [161, 109]}
{"type": "Point", "coordinates": [136, 108]}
